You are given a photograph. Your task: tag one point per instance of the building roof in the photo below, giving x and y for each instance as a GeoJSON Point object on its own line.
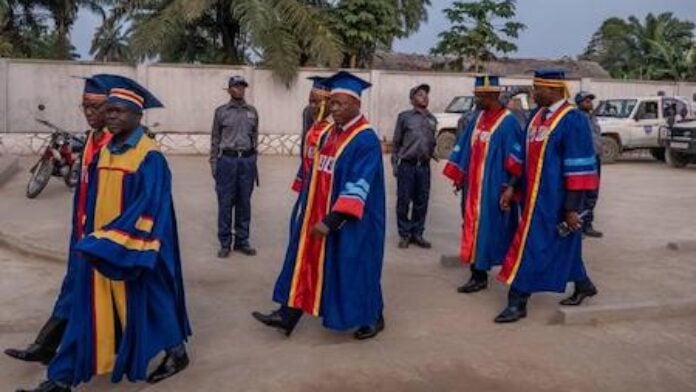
{"type": "Point", "coordinates": [575, 69]}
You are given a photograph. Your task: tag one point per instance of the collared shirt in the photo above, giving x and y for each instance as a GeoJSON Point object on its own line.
{"type": "Point", "coordinates": [129, 143]}
{"type": "Point", "coordinates": [349, 123]}
{"type": "Point", "coordinates": [235, 127]}
{"type": "Point", "coordinates": [554, 108]}
{"type": "Point", "coordinates": [414, 136]}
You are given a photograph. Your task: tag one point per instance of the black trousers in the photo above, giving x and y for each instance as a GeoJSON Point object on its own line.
{"type": "Point", "coordinates": [413, 195]}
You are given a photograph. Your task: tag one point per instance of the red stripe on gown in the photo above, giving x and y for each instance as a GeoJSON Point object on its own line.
{"type": "Point", "coordinates": [92, 148]}
{"type": "Point", "coordinates": [534, 150]}
{"type": "Point", "coordinates": [305, 290]}
{"type": "Point", "coordinates": [475, 179]}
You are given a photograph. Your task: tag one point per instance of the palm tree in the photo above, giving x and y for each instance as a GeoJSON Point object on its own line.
{"type": "Point", "coordinates": [278, 32]}
{"type": "Point", "coordinates": [64, 14]}
{"type": "Point", "coordinates": [111, 44]}
{"type": "Point", "coordinates": [648, 49]}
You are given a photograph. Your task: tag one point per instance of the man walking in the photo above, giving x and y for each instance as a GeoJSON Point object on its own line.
{"type": "Point", "coordinates": [559, 168]}
{"type": "Point", "coordinates": [585, 102]}
{"type": "Point", "coordinates": [233, 145]}
{"type": "Point", "coordinates": [413, 148]}
{"type": "Point", "coordinates": [486, 158]}
{"type": "Point", "coordinates": [93, 101]}
{"type": "Point", "coordinates": [333, 263]}
{"type": "Point", "coordinates": [127, 296]}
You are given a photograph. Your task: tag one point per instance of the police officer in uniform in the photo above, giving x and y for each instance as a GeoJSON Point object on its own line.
{"type": "Point", "coordinates": [414, 145]}
{"type": "Point", "coordinates": [233, 163]}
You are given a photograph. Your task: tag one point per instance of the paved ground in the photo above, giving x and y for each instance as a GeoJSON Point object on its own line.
{"type": "Point", "coordinates": [436, 339]}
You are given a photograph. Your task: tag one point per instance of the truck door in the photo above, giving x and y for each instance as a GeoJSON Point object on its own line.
{"type": "Point", "coordinates": [648, 118]}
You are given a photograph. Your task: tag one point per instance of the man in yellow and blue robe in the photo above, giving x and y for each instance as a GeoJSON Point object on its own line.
{"type": "Point", "coordinates": [333, 263]}
{"type": "Point", "coordinates": [46, 343]}
{"type": "Point", "coordinates": [486, 158]}
{"type": "Point", "coordinates": [560, 167]}
{"type": "Point", "coordinates": [127, 299]}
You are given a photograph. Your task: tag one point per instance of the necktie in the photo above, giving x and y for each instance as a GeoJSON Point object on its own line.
{"type": "Point", "coordinates": [544, 114]}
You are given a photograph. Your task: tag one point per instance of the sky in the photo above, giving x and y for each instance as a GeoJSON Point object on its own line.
{"type": "Point", "coordinates": [555, 28]}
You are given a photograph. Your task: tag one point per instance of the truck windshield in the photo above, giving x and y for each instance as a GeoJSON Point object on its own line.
{"type": "Point", "coordinates": [618, 108]}
{"type": "Point", "coordinates": [460, 105]}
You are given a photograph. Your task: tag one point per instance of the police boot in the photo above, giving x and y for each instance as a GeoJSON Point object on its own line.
{"type": "Point", "coordinates": [47, 386]}
{"type": "Point", "coordinates": [285, 319]}
{"type": "Point", "coordinates": [44, 348]}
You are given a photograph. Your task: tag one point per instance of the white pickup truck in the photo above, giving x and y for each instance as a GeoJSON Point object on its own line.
{"type": "Point", "coordinates": [448, 124]}
{"type": "Point", "coordinates": [637, 123]}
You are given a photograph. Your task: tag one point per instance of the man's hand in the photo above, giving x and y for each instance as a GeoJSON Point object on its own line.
{"type": "Point", "coordinates": [506, 198]}
{"type": "Point", "coordinates": [573, 220]}
{"type": "Point", "coordinates": [321, 230]}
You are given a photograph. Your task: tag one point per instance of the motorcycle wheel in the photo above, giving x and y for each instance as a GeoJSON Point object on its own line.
{"type": "Point", "coordinates": [39, 178]}
{"type": "Point", "coordinates": [73, 175]}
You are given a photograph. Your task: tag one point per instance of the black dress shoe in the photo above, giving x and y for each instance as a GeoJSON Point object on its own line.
{"type": "Point", "coordinates": [370, 331]}
{"type": "Point", "coordinates": [472, 286]}
{"type": "Point", "coordinates": [404, 242]}
{"type": "Point", "coordinates": [171, 365]}
{"type": "Point", "coordinates": [245, 249]}
{"type": "Point", "coordinates": [592, 233]}
{"type": "Point", "coordinates": [223, 253]}
{"type": "Point", "coordinates": [579, 296]}
{"type": "Point", "coordinates": [47, 386]}
{"type": "Point", "coordinates": [276, 320]}
{"type": "Point", "coordinates": [44, 347]}
{"type": "Point", "coordinates": [33, 353]}
{"type": "Point", "coordinates": [421, 242]}
{"type": "Point", "coordinates": [511, 314]}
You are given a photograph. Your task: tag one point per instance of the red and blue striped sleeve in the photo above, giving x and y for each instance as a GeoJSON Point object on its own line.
{"type": "Point", "coordinates": [579, 157]}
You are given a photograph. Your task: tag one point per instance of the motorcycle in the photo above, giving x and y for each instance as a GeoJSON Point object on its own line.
{"type": "Point", "coordinates": [61, 158]}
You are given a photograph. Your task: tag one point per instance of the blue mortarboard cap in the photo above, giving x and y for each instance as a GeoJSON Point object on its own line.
{"type": "Point", "coordinates": [127, 91]}
{"type": "Point", "coordinates": [346, 83]}
{"type": "Point", "coordinates": [319, 82]}
{"type": "Point", "coordinates": [94, 87]}
{"type": "Point", "coordinates": [550, 74]}
{"type": "Point", "coordinates": [551, 77]}
{"type": "Point", "coordinates": [487, 84]}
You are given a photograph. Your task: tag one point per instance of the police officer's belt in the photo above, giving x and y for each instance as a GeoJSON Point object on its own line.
{"type": "Point", "coordinates": [238, 154]}
{"type": "Point", "coordinates": [416, 161]}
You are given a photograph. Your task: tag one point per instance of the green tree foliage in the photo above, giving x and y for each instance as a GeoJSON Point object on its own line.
{"type": "Point", "coordinates": [368, 25]}
{"type": "Point", "coordinates": [41, 28]}
{"type": "Point", "coordinates": [278, 32]}
{"type": "Point", "coordinates": [365, 26]}
{"type": "Point", "coordinates": [660, 47]}
{"type": "Point", "coordinates": [111, 43]}
{"type": "Point", "coordinates": [480, 29]}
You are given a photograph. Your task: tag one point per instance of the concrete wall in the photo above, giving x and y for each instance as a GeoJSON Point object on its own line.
{"type": "Point", "coordinates": [191, 93]}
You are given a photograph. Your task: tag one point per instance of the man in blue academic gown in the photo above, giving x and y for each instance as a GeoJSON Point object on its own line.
{"type": "Point", "coordinates": [560, 167]}
{"type": "Point", "coordinates": [44, 347]}
{"type": "Point", "coordinates": [486, 158]}
{"type": "Point", "coordinates": [333, 263]}
{"type": "Point", "coordinates": [127, 294]}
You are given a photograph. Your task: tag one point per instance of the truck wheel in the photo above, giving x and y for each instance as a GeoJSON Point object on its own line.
{"type": "Point", "coordinates": [658, 153]}
{"type": "Point", "coordinates": [676, 159]}
{"type": "Point", "coordinates": [610, 149]}
{"type": "Point", "coordinates": [445, 143]}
